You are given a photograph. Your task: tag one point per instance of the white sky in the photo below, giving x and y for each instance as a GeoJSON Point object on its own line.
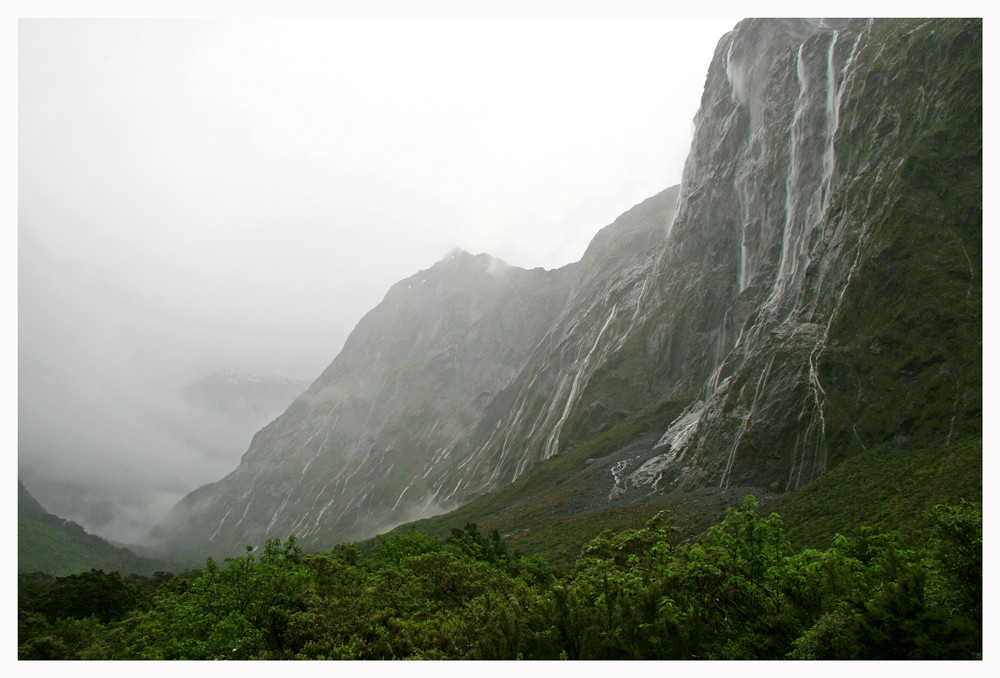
{"type": "Point", "coordinates": [200, 194]}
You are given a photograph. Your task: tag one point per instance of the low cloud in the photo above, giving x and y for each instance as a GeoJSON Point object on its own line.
{"type": "Point", "coordinates": [195, 195]}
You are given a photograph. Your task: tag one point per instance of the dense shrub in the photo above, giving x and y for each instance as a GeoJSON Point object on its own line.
{"type": "Point", "coordinates": [738, 591]}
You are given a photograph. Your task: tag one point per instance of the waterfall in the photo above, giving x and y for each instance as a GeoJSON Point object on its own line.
{"type": "Point", "coordinates": [817, 419]}
{"type": "Point", "coordinates": [552, 444]}
{"type": "Point", "coordinates": [809, 186]}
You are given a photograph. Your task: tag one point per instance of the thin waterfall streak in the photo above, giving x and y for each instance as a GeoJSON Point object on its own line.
{"type": "Point", "coordinates": [553, 441]}
{"type": "Point", "coordinates": [833, 121]}
{"type": "Point", "coordinates": [791, 184]}
{"type": "Point", "coordinates": [280, 509]}
{"type": "Point", "coordinates": [743, 425]}
{"type": "Point", "coordinates": [221, 523]}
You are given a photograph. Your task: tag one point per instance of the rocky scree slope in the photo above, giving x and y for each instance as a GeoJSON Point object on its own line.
{"type": "Point", "coordinates": [814, 289]}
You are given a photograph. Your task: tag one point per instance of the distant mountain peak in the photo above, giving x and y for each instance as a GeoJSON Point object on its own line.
{"type": "Point", "coordinates": [239, 391]}
{"type": "Point", "coordinates": [464, 257]}
{"type": "Point", "coordinates": [242, 374]}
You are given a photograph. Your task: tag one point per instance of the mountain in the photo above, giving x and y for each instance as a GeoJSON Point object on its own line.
{"type": "Point", "coordinates": [401, 424]}
{"type": "Point", "coordinates": [837, 170]}
{"type": "Point", "coordinates": [245, 395]}
{"type": "Point", "coordinates": [811, 291]}
{"type": "Point", "coordinates": [47, 543]}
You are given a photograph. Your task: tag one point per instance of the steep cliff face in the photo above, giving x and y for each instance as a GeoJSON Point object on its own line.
{"type": "Point", "coordinates": [833, 195]}
{"type": "Point", "coordinates": [610, 298]}
{"type": "Point", "coordinates": [812, 289]}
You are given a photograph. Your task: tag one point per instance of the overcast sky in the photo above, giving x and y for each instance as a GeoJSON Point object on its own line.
{"type": "Point", "coordinates": [196, 195]}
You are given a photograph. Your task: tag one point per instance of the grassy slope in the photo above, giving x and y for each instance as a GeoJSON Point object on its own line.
{"type": "Point", "coordinates": [887, 488]}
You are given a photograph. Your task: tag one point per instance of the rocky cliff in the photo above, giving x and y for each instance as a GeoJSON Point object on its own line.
{"type": "Point", "coordinates": [813, 288]}
{"type": "Point", "coordinates": [830, 226]}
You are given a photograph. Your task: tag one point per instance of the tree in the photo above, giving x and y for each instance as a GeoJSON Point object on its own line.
{"type": "Point", "coordinates": [490, 549]}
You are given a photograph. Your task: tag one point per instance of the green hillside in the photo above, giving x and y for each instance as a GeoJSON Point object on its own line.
{"type": "Point", "coordinates": [887, 488]}
{"type": "Point", "coordinates": [47, 543]}
{"type": "Point", "coordinates": [891, 489]}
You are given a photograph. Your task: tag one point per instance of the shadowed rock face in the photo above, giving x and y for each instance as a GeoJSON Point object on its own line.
{"type": "Point", "coordinates": [811, 289]}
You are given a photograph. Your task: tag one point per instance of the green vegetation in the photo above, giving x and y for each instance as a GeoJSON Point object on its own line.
{"type": "Point", "coordinates": [47, 543]}
{"type": "Point", "coordinates": [910, 324]}
{"type": "Point", "coordinates": [886, 488]}
{"type": "Point", "coordinates": [738, 591]}
{"type": "Point", "coordinates": [904, 582]}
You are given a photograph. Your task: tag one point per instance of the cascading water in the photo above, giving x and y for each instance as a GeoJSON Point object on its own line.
{"type": "Point", "coordinates": [816, 430]}
{"type": "Point", "coordinates": [809, 184]}
{"type": "Point", "coordinates": [802, 261]}
{"type": "Point", "coordinates": [552, 444]}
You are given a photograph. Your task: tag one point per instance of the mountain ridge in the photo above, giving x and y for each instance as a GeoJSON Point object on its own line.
{"type": "Point", "coordinates": [451, 363]}
{"type": "Point", "coordinates": [244, 394]}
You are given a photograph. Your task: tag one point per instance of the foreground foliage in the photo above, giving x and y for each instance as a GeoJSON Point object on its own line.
{"type": "Point", "coordinates": [739, 591]}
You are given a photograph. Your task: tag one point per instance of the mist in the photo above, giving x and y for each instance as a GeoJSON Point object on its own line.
{"type": "Point", "coordinates": [195, 195]}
